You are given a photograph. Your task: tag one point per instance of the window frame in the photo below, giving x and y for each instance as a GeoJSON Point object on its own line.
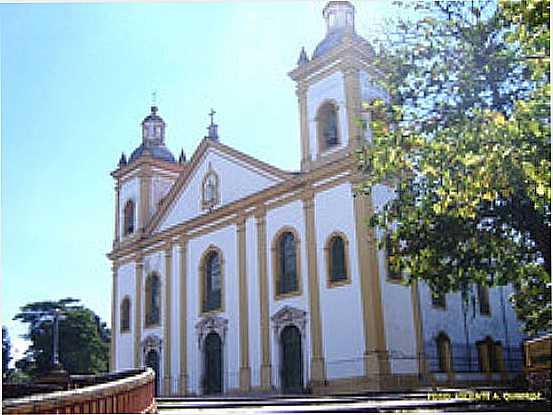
{"type": "Point", "coordinates": [444, 355]}
{"type": "Point", "coordinates": [212, 249]}
{"type": "Point", "coordinates": [126, 233]}
{"type": "Point", "coordinates": [122, 329]}
{"type": "Point", "coordinates": [275, 259]}
{"type": "Point", "coordinates": [148, 304]}
{"type": "Point", "coordinates": [321, 142]}
{"type": "Point", "coordinates": [330, 282]}
{"type": "Point", "coordinates": [207, 204]}
{"type": "Point", "coordinates": [484, 307]}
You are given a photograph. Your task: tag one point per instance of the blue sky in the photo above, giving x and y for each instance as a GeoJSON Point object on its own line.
{"type": "Point", "coordinates": [77, 80]}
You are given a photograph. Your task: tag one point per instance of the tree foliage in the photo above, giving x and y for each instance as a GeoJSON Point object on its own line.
{"type": "Point", "coordinates": [83, 338]}
{"type": "Point", "coordinates": [6, 351]}
{"type": "Point", "coordinates": [464, 140]}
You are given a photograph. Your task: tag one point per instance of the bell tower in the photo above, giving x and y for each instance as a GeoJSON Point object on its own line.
{"type": "Point", "coordinates": [331, 87]}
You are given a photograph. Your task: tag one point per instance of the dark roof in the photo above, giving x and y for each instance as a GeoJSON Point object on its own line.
{"type": "Point", "coordinates": [158, 151]}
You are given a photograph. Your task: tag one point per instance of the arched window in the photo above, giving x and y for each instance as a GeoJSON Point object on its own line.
{"type": "Point", "coordinates": [327, 126]}
{"type": "Point", "coordinates": [210, 189]}
{"type": "Point", "coordinates": [443, 346]}
{"type": "Point", "coordinates": [490, 355]}
{"type": "Point", "coordinates": [438, 300]}
{"type": "Point", "coordinates": [128, 214]}
{"type": "Point", "coordinates": [483, 299]}
{"type": "Point", "coordinates": [211, 270]}
{"type": "Point", "coordinates": [336, 252]}
{"type": "Point", "coordinates": [153, 299]}
{"type": "Point", "coordinates": [125, 314]}
{"type": "Point", "coordinates": [286, 265]}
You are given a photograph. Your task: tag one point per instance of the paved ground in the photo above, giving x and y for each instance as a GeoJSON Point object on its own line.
{"type": "Point", "coordinates": [452, 400]}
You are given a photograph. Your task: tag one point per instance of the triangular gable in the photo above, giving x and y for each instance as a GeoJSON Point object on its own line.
{"type": "Point", "coordinates": [239, 176]}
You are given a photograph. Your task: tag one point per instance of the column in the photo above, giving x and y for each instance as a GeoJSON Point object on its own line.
{"type": "Point", "coordinates": [245, 372]}
{"type": "Point", "coordinates": [376, 360]}
{"type": "Point", "coordinates": [301, 93]}
{"type": "Point", "coordinates": [145, 178]}
{"type": "Point", "coordinates": [167, 389]}
{"type": "Point", "coordinates": [117, 207]}
{"type": "Point", "coordinates": [139, 271]}
{"type": "Point", "coordinates": [114, 325]}
{"type": "Point", "coordinates": [260, 216]}
{"type": "Point", "coordinates": [317, 356]}
{"type": "Point", "coordinates": [353, 102]}
{"type": "Point", "coordinates": [419, 337]}
{"type": "Point", "coordinates": [183, 316]}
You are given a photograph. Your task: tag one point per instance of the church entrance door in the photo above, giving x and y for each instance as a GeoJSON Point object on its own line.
{"type": "Point", "coordinates": [291, 370]}
{"type": "Point", "coordinates": [152, 361]}
{"type": "Point", "coordinates": [213, 364]}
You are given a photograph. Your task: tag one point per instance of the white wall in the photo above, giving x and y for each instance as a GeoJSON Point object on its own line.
{"type": "Point", "coordinates": [329, 88]}
{"type": "Point", "coordinates": [236, 181]}
{"type": "Point", "coordinates": [130, 189]}
{"type": "Point", "coordinates": [225, 240]}
{"type": "Point", "coordinates": [124, 341]}
{"type": "Point", "coordinates": [288, 215]}
{"type": "Point", "coordinates": [341, 308]}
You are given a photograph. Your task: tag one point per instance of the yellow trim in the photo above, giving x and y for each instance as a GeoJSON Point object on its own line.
{"type": "Point", "coordinates": [318, 374]}
{"type": "Point", "coordinates": [328, 260]}
{"type": "Point", "coordinates": [417, 322]}
{"type": "Point", "coordinates": [201, 273]}
{"type": "Point", "coordinates": [139, 270]}
{"type": "Point", "coordinates": [245, 372]}
{"type": "Point", "coordinates": [145, 177]}
{"type": "Point", "coordinates": [121, 329]}
{"type": "Point", "coordinates": [275, 254]}
{"type": "Point", "coordinates": [183, 304]}
{"type": "Point", "coordinates": [301, 93]}
{"type": "Point", "coordinates": [167, 323]}
{"type": "Point", "coordinates": [353, 103]}
{"type": "Point", "coordinates": [266, 375]}
{"type": "Point", "coordinates": [376, 357]}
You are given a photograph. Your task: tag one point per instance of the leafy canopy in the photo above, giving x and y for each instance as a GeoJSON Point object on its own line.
{"type": "Point", "coordinates": [464, 140]}
{"type": "Point", "coordinates": [83, 338]}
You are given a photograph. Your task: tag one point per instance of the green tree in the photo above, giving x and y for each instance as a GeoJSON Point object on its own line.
{"type": "Point", "coordinates": [83, 338]}
{"type": "Point", "coordinates": [464, 140]}
{"type": "Point", "coordinates": [6, 351]}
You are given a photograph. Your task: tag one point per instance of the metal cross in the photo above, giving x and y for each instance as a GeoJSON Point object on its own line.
{"type": "Point", "coordinates": [154, 97]}
{"type": "Point", "coordinates": [211, 114]}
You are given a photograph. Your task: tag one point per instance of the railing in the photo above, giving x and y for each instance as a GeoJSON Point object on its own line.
{"type": "Point", "coordinates": [122, 392]}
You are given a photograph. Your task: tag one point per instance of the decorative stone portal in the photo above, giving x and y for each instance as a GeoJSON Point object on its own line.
{"type": "Point", "coordinates": [151, 352]}
{"type": "Point", "coordinates": [289, 327]}
{"type": "Point", "coordinates": [211, 333]}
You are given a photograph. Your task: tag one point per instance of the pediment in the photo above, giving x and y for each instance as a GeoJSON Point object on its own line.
{"type": "Point", "coordinates": [289, 315]}
{"type": "Point", "coordinates": [238, 176]}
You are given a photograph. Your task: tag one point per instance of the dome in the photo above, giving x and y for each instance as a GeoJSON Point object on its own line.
{"type": "Point", "coordinates": [332, 39]}
{"type": "Point", "coordinates": [159, 152]}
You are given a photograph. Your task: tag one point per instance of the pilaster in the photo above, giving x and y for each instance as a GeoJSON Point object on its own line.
{"type": "Point", "coordinates": [167, 389]}
{"type": "Point", "coordinates": [245, 371]}
{"type": "Point", "coordinates": [145, 178]}
{"type": "Point", "coordinates": [260, 217]}
{"type": "Point", "coordinates": [114, 325]}
{"type": "Point", "coordinates": [116, 233]}
{"type": "Point", "coordinates": [139, 272]}
{"type": "Point", "coordinates": [301, 93]}
{"type": "Point", "coordinates": [353, 103]}
{"type": "Point", "coordinates": [183, 306]}
{"type": "Point", "coordinates": [317, 356]}
{"type": "Point", "coordinates": [376, 365]}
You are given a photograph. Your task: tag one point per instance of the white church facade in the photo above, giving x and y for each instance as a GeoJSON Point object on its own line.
{"type": "Point", "coordinates": [231, 275]}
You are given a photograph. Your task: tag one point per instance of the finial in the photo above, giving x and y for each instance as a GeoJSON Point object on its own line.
{"type": "Point", "coordinates": [212, 129]}
{"type": "Point", "coordinates": [182, 157]}
{"type": "Point", "coordinates": [123, 160]}
{"type": "Point", "coordinates": [303, 59]}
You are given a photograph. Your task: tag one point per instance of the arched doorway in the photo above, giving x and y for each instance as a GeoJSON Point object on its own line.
{"type": "Point", "coordinates": [291, 367]}
{"type": "Point", "coordinates": [152, 361]}
{"type": "Point", "coordinates": [213, 364]}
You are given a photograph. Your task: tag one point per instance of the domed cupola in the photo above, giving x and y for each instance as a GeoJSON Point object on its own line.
{"type": "Point", "coordinates": [153, 139]}
{"type": "Point", "coordinates": [340, 23]}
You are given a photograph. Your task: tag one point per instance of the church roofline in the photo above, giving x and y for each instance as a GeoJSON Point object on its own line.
{"type": "Point", "coordinates": [202, 148]}
{"type": "Point", "coordinates": [219, 216]}
{"type": "Point", "coordinates": [146, 160]}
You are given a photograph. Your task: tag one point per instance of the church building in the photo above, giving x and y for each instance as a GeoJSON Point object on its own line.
{"type": "Point", "coordinates": [231, 275]}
